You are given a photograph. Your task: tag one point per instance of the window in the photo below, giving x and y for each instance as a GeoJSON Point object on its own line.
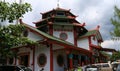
{"type": "Point", "coordinates": [24, 60]}
{"type": "Point", "coordinates": [60, 14]}
{"type": "Point", "coordinates": [11, 60]}
{"type": "Point", "coordinates": [61, 21]}
{"type": "Point", "coordinates": [42, 60]}
{"type": "Point", "coordinates": [25, 33]}
{"type": "Point", "coordinates": [63, 36]}
{"type": "Point", "coordinates": [60, 60]}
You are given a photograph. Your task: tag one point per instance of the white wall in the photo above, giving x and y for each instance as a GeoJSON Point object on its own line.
{"type": "Point", "coordinates": [33, 36]}
{"type": "Point", "coordinates": [70, 35]}
{"type": "Point", "coordinates": [83, 43]}
{"type": "Point", "coordinates": [57, 47]}
{"type": "Point", "coordinates": [66, 29]}
{"type": "Point", "coordinates": [46, 51]}
{"type": "Point", "coordinates": [43, 49]}
{"type": "Point", "coordinates": [94, 41]}
{"type": "Point", "coordinates": [38, 50]}
{"type": "Point", "coordinates": [56, 66]}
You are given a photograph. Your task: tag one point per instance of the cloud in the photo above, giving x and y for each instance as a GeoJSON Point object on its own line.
{"type": "Point", "coordinates": [92, 12]}
{"type": "Point", "coordinates": [97, 13]}
{"type": "Point", "coordinates": [111, 44]}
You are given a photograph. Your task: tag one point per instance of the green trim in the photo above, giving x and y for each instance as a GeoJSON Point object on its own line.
{"type": "Point", "coordinates": [62, 17]}
{"type": "Point", "coordinates": [89, 33]}
{"type": "Point", "coordinates": [65, 24]}
{"type": "Point", "coordinates": [92, 33]}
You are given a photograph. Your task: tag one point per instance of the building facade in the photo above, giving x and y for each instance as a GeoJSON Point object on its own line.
{"type": "Point", "coordinates": [64, 43]}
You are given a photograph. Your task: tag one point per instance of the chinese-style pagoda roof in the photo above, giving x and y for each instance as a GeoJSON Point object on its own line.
{"type": "Point", "coordinates": [89, 33]}
{"type": "Point", "coordinates": [61, 9]}
{"type": "Point", "coordinates": [56, 17]}
{"type": "Point", "coordinates": [57, 9]}
{"type": "Point", "coordinates": [94, 32]}
{"type": "Point", "coordinates": [69, 24]}
{"type": "Point", "coordinates": [41, 20]}
{"type": "Point", "coordinates": [56, 40]}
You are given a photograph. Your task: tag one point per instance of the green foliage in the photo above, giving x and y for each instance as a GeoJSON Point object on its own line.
{"type": "Point", "coordinates": [13, 11]}
{"type": "Point", "coordinates": [116, 32]}
{"type": "Point", "coordinates": [115, 56]}
{"type": "Point", "coordinates": [12, 36]}
{"type": "Point", "coordinates": [116, 22]}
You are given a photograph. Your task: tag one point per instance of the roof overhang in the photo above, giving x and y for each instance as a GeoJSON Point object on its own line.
{"type": "Point", "coordinates": [102, 49]}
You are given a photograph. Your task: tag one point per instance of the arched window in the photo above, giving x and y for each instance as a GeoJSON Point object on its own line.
{"type": "Point", "coordinates": [42, 60]}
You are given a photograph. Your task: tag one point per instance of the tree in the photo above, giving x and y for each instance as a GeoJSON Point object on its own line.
{"type": "Point", "coordinates": [13, 11]}
{"type": "Point", "coordinates": [116, 22]}
{"type": "Point", "coordinates": [115, 56]}
{"type": "Point", "coordinates": [12, 36]}
{"type": "Point", "coordinates": [116, 32]}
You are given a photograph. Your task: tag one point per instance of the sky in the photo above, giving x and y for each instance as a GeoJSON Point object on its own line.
{"type": "Point", "coordinates": [92, 12]}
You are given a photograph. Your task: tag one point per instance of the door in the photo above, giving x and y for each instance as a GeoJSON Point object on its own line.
{"type": "Point", "coordinates": [24, 59]}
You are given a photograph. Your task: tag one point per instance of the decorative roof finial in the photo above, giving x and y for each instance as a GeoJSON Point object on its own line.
{"type": "Point", "coordinates": [98, 27]}
{"type": "Point", "coordinates": [58, 3]}
{"type": "Point", "coordinates": [20, 1]}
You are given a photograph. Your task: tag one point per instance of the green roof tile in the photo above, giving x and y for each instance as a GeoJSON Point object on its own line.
{"type": "Point", "coordinates": [66, 24]}
{"type": "Point", "coordinates": [63, 17]}
{"type": "Point", "coordinates": [92, 32]}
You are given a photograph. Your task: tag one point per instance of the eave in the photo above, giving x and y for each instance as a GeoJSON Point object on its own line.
{"type": "Point", "coordinates": [54, 40]}
{"type": "Point", "coordinates": [93, 33]}
{"type": "Point", "coordinates": [102, 49]}
{"type": "Point", "coordinates": [41, 20]}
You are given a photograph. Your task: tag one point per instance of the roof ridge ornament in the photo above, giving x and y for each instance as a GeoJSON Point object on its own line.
{"type": "Point", "coordinates": [57, 3]}
{"type": "Point", "coordinates": [20, 1]}
{"type": "Point", "coordinates": [98, 27]}
{"type": "Point", "coordinates": [21, 22]}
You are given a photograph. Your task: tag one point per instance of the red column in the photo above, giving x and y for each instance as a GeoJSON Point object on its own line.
{"type": "Point", "coordinates": [90, 42]}
{"type": "Point", "coordinates": [71, 61]}
{"type": "Point", "coordinates": [51, 29]}
{"type": "Point", "coordinates": [93, 60]}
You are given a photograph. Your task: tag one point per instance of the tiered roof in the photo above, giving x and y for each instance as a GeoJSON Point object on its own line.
{"type": "Point", "coordinates": [55, 40]}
